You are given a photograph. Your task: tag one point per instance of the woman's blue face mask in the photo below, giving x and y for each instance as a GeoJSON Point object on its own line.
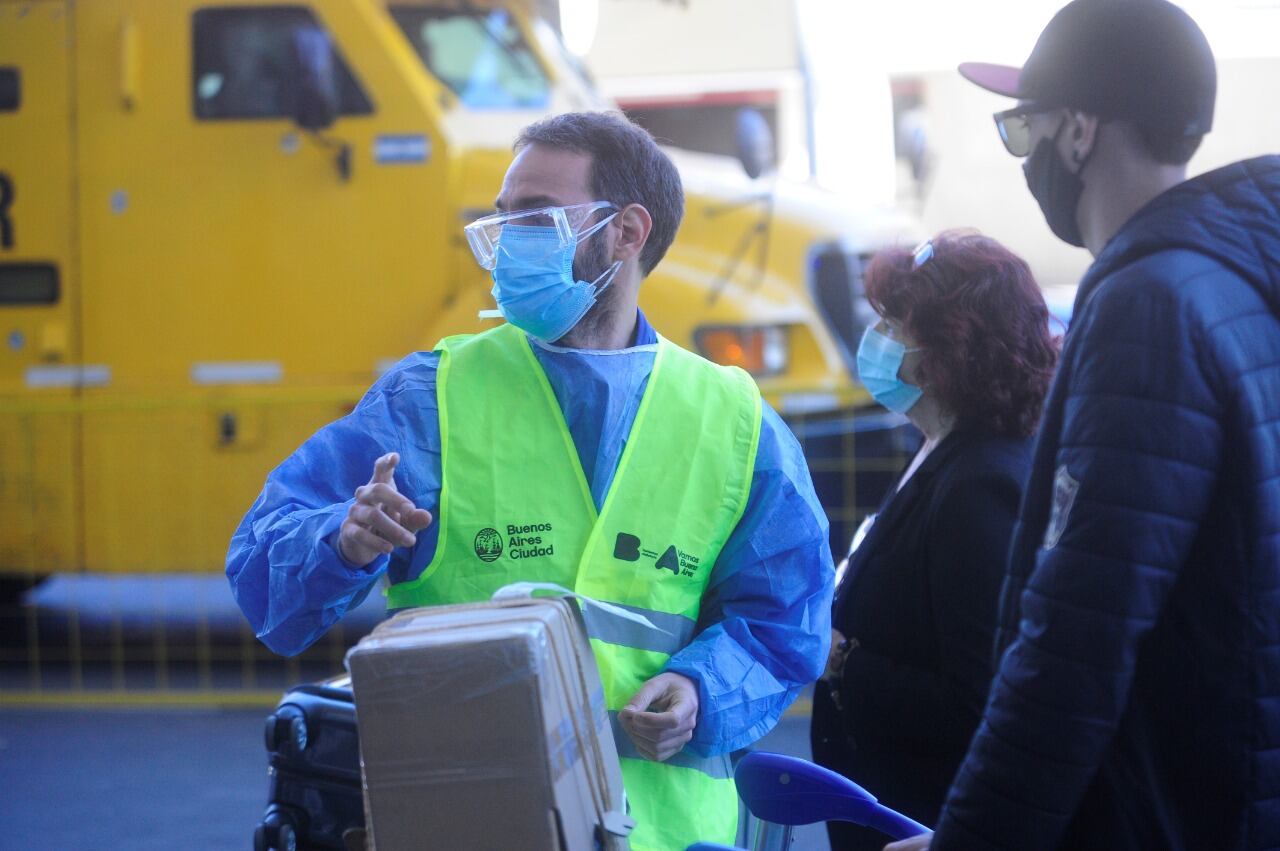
{"type": "Point", "coordinates": [879, 359]}
{"type": "Point", "coordinates": [534, 284]}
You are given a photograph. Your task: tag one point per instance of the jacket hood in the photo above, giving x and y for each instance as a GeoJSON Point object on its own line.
{"type": "Point", "coordinates": [1231, 214]}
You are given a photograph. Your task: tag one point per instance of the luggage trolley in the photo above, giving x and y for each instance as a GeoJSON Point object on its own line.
{"type": "Point", "coordinates": [783, 792]}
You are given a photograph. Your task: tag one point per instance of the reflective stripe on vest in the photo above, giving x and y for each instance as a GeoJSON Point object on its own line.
{"type": "Point", "coordinates": [515, 505]}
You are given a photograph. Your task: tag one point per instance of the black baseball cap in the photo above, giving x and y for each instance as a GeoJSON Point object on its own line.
{"type": "Point", "coordinates": [1143, 61]}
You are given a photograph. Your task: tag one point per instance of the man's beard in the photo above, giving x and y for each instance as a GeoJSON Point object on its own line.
{"type": "Point", "coordinates": [591, 263]}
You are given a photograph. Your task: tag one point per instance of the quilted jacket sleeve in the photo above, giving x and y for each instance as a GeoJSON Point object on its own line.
{"type": "Point", "coordinates": [1138, 440]}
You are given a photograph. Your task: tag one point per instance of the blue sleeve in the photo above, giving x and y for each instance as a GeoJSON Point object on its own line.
{"type": "Point", "coordinates": [284, 570]}
{"type": "Point", "coordinates": [1141, 438]}
{"type": "Point", "coordinates": [766, 615]}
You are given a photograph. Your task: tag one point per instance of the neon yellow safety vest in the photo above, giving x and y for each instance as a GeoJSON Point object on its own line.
{"type": "Point", "coordinates": [515, 505]}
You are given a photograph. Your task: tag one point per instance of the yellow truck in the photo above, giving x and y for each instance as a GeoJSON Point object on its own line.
{"type": "Point", "coordinates": [220, 221]}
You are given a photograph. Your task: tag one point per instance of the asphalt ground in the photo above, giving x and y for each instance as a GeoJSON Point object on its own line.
{"type": "Point", "coordinates": [160, 780]}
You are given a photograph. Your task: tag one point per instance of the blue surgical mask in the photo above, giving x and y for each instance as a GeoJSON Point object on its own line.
{"type": "Point", "coordinates": [879, 359]}
{"type": "Point", "coordinates": [534, 285]}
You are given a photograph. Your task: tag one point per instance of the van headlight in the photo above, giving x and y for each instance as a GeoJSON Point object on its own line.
{"type": "Point", "coordinates": [762, 350]}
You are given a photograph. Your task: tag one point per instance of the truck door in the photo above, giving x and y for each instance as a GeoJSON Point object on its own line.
{"type": "Point", "coordinates": [41, 374]}
{"type": "Point", "coordinates": [249, 276]}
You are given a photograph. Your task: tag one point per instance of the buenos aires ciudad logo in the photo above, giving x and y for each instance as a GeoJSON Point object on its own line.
{"type": "Point", "coordinates": [488, 544]}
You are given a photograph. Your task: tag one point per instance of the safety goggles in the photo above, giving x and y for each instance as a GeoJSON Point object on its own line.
{"type": "Point", "coordinates": [1015, 127]}
{"type": "Point", "coordinates": [569, 223]}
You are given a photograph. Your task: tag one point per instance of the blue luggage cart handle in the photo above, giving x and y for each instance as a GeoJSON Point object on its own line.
{"type": "Point", "coordinates": [788, 791]}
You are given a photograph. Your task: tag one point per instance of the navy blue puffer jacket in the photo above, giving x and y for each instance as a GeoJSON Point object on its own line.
{"type": "Point", "coordinates": [1137, 700]}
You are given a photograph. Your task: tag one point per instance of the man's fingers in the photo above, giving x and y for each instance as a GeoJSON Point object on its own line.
{"type": "Point", "coordinates": [384, 469]}
{"type": "Point", "coordinates": [641, 737]}
{"type": "Point", "coordinates": [365, 512]}
{"type": "Point", "coordinates": [661, 751]}
{"type": "Point", "coordinates": [658, 735]}
{"type": "Point", "coordinates": [382, 494]}
{"type": "Point", "coordinates": [645, 747]}
{"type": "Point", "coordinates": [362, 514]}
{"type": "Point", "coordinates": [387, 499]}
{"type": "Point", "coordinates": [384, 527]}
{"type": "Point", "coordinates": [670, 749]}
{"type": "Point", "coordinates": [380, 524]}
{"type": "Point", "coordinates": [362, 546]}
{"type": "Point", "coordinates": [369, 541]}
{"type": "Point", "coordinates": [654, 723]}
{"type": "Point", "coordinates": [648, 693]}
{"type": "Point", "coordinates": [657, 746]}
{"type": "Point", "coordinates": [416, 519]}
{"type": "Point", "coordinates": [674, 712]}
{"type": "Point", "coordinates": [661, 737]}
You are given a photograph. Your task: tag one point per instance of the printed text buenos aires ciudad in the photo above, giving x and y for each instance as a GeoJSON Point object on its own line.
{"type": "Point", "coordinates": [527, 541]}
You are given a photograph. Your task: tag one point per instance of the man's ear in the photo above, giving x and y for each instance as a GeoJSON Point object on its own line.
{"type": "Point", "coordinates": [634, 224]}
{"type": "Point", "coordinates": [1084, 135]}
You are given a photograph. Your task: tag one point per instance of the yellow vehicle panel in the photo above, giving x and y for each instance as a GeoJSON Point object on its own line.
{"type": "Point", "coordinates": [227, 282]}
{"type": "Point", "coordinates": [39, 294]}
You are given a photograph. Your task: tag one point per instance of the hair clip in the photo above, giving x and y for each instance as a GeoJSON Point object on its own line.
{"type": "Point", "coordinates": [922, 254]}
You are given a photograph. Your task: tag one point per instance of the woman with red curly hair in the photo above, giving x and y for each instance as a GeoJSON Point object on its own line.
{"type": "Point", "coordinates": [963, 349]}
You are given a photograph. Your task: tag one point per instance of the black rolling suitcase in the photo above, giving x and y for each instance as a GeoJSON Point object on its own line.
{"type": "Point", "coordinates": [314, 794]}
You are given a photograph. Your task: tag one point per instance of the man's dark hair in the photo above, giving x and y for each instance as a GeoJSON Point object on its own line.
{"type": "Point", "coordinates": [627, 167]}
{"type": "Point", "coordinates": [1167, 148]}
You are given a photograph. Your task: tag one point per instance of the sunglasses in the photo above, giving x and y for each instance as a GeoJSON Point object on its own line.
{"type": "Point", "coordinates": [1015, 127]}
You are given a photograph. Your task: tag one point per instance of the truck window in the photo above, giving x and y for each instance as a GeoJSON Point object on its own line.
{"type": "Point", "coordinates": [245, 65]}
{"type": "Point", "coordinates": [480, 55]}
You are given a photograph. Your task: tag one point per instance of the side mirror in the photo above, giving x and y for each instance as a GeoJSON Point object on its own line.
{"type": "Point", "coordinates": [755, 143]}
{"type": "Point", "coordinates": [315, 105]}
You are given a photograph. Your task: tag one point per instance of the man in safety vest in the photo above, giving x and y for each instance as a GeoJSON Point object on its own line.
{"type": "Point", "coordinates": [573, 445]}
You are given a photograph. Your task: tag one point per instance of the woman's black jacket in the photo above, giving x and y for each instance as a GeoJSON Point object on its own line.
{"type": "Point", "coordinates": [919, 598]}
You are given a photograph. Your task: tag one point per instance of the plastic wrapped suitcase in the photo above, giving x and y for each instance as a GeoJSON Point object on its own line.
{"type": "Point", "coordinates": [314, 794]}
{"type": "Point", "coordinates": [486, 723]}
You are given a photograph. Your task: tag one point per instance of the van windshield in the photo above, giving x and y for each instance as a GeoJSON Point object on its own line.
{"type": "Point", "coordinates": [480, 55]}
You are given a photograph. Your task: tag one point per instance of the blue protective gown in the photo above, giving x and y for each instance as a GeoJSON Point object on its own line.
{"type": "Point", "coordinates": [765, 624]}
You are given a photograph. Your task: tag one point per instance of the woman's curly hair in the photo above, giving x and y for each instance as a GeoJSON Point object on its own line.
{"type": "Point", "coordinates": [978, 313]}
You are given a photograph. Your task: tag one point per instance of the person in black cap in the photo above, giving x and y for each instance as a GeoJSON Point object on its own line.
{"type": "Point", "coordinates": [1136, 704]}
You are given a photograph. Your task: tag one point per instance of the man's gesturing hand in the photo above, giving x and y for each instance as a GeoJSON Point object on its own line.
{"type": "Point", "coordinates": [380, 519]}
{"type": "Point", "coordinates": [660, 717]}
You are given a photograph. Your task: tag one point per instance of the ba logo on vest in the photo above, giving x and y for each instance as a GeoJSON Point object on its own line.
{"type": "Point", "coordinates": [526, 541]}
{"type": "Point", "coordinates": [627, 548]}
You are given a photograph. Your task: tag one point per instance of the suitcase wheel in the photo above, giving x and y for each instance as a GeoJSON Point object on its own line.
{"type": "Point", "coordinates": [286, 731]}
{"type": "Point", "coordinates": [276, 832]}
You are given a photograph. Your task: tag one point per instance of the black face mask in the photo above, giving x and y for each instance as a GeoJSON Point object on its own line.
{"type": "Point", "coordinates": [1056, 188]}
